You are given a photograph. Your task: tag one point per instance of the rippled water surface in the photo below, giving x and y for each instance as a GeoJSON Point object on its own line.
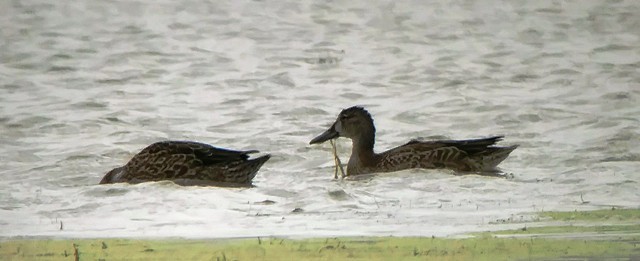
{"type": "Point", "coordinates": [84, 85]}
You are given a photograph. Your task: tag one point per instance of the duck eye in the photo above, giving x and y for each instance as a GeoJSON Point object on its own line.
{"type": "Point", "coordinates": [344, 116]}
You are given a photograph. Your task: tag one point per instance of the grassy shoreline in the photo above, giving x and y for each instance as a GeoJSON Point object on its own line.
{"type": "Point", "coordinates": [617, 236]}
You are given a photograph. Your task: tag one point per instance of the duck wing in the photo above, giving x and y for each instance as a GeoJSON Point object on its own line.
{"type": "Point", "coordinates": [471, 146]}
{"type": "Point", "coordinates": [436, 154]}
{"type": "Point", "coordinates": [175, 159]}
{"type": "Point", "coordinates": [204, 153]}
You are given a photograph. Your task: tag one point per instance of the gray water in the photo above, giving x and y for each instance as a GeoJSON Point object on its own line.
{"type": "Point", "coordinates": [84, 85]}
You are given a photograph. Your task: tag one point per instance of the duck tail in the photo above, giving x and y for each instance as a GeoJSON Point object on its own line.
{"type": "Point", "coordinates": [246, 171]}
{"type": "Point", "coordinates": [492, 156]}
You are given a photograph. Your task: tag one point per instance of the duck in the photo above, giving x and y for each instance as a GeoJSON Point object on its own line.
{"type": "Point", "coordinates": [188, 163]}
{"type": "Point", "coordinates": [462, 156]}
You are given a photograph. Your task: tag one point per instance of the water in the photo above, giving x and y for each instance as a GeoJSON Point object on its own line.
{"type": "Point", "coordinates": [86, 85]}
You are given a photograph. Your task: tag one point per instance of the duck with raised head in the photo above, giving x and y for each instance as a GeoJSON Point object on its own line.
{"type": "Point", "coordinates": [188, 163]}
{"type": "Point", "coordinates": [355, 123]}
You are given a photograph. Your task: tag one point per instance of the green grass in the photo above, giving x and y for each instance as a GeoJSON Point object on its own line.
{"type": "Point", "coordinates": [484, 246]}
{"type": "Point", "coordinates": [386, 248]}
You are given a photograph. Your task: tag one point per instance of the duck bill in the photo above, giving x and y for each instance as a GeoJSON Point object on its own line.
{"type": "Point", "coordinates": [331, 133]}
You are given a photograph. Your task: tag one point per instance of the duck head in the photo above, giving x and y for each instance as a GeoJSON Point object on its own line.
{"type": "Point", "coordinates": [113, 176]}
{"type": "Point", "coordinates": [353, 123]}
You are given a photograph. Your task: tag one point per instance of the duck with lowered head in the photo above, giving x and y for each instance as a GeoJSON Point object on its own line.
{"type": "Point", "coordinates": [188, 163]}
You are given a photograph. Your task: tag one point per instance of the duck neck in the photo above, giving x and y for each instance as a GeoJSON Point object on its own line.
{"type": "Point", "coordinates": [362, 148]}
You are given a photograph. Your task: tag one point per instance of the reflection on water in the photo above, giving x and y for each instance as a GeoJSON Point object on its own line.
{"type": "Point", "coordinates": [87, 85]}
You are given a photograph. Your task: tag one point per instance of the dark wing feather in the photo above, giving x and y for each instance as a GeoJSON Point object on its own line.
{"type": "Point", "coordinates": [203, 152]}
{"type": "Point", "coordinates": [472, 146]}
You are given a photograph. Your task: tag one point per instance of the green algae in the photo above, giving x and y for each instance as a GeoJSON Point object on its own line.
{"type": "Point", "coordinates": [613, 214]}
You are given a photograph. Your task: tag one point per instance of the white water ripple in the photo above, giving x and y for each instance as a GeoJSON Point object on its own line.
{"type": "Point", "coordinates": [86, 85]}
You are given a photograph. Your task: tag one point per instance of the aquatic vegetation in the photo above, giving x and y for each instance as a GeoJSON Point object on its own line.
{"type": "Point", "coordinates": [613, 214]}
{"type": "Point", "coordinates": [336, 159]}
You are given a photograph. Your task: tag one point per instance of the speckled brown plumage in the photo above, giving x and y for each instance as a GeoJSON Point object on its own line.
{"type": "Point", "coordinates": [476, 155]}
{"type": "Point", "coordinates": [189, 163]}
